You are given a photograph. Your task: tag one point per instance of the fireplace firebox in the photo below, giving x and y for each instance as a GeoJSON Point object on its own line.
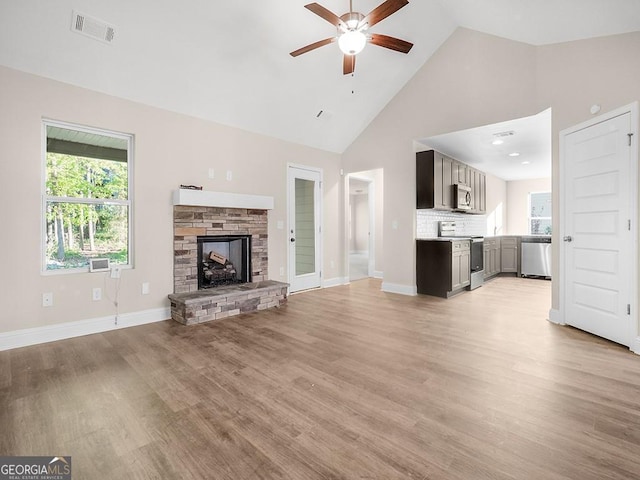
{"type": "Point", "coordinates": [223, 260]}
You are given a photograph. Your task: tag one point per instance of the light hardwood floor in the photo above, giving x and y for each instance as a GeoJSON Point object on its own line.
{"type": "Point", "coordinates": [342, 383]}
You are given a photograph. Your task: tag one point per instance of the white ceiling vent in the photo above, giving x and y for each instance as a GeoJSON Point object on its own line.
{"type": "Point", "coordinates": [504, 134]}
{"type": "Point", "coordinates": [92, 27]}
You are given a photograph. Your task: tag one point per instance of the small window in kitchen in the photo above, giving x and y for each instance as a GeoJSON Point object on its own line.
{"type": "Point", "coordinates": [87, 197]}
{"type": "Point", "coordinates": [540, 213]}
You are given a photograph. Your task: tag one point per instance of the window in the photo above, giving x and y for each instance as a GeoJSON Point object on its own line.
{"type": "Point", "coordinates": [540, 213]}
{"type": "Point", "coordinates": [87, 196]}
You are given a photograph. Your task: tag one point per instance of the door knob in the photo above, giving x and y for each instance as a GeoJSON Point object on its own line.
{"type": "Point", "coordinates": [293, 240]}
{"type": "Point", "coordinates": [568, 238]}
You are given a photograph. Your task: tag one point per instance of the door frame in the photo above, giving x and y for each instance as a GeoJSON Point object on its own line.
{"type": "Point", "coordinates": [632, 109]}
{"type": "Point", "coordinates": [320, 227]}
{"type": "Point", "coordinates": [371, 200]}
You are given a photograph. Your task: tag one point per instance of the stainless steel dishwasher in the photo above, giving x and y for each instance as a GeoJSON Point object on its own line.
{"type": "Point", "coordinates": [536, 256]}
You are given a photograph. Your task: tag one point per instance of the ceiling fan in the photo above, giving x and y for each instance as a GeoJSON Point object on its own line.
{"type": "Point", "coordinates": [352, 28]}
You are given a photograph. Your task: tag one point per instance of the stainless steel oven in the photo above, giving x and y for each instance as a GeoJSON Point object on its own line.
{"type": "Point", "coordinates": [448, 230]}
{"type": "Point", "coordinates": [477, 262]}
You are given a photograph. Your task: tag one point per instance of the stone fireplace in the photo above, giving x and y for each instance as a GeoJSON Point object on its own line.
{"type": "Point", "coordinates": [221, 256]}
{"type": "Point", "coordinates": [192, 222]}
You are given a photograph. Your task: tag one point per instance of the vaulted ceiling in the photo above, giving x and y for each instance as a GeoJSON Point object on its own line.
{"type": "Point", "coordinates": [229, 61]}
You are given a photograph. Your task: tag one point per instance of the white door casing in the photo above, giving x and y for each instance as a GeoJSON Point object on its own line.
{"type": "Point", "coordinates": [598, 232]}
{"type": "Point", "coordinates": [304, 232]}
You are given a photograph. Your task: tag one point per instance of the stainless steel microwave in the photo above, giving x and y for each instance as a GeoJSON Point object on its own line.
{"type": "Point", "coordinates": [462, 196]}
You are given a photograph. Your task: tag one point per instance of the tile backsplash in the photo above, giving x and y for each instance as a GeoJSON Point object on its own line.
{"type": "Point", "coordinates": [466, 224]}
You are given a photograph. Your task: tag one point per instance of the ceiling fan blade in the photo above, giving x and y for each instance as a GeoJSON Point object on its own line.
{"type": "Point", "coordinates": [348, 64]}
{"type": "Point", "coordinates": [328, 15]}
{"type": "Point", "coordinates": [390, 42]}
{"type": "Point", "coordinates": [382, 11]}
{"type": "Point", "coordinates": [313, 46]}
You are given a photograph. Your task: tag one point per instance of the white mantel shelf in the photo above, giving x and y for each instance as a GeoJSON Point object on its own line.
{"type": "Point", "coordinates": [203, 198]}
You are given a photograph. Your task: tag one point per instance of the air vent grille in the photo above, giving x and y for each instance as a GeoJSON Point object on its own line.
{"type": "Point", "coordinates": [504, 134]}
{"type": "Point", "coordinates": [92, 27]}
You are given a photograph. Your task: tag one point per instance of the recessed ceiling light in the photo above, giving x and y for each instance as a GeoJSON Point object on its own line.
{"type": "Point", "coordinates": [514, 154]}
{"type": "Point", "coordinates": [525, 163]}
{"type": "Point", "coordinates": [497, 141]}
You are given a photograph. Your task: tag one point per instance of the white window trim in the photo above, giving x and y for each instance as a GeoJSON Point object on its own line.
{"type": "Point", "coordinates": [45, 198]}
{"type": "Point", "coordinates": [529, 217]}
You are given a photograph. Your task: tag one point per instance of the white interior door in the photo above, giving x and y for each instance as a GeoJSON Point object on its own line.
{"type": "Point", "coordinates": [304, 228]}
{"type": "Point", "coordinates": [597, 250]}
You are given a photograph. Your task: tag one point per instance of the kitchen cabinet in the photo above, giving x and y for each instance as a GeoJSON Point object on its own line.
{"type": "Point", "coordinates": [460, 173]}
{"type": "Point", "coordinates": [477, 182]}
{"type": "Point", "coordinates": [480, 192]}
{"type": "Point", "coordinates": [443, 267]}
{"type": "Point", "coordinates": [434, 180]}
{"type": "Point", "coordinates": [460, 265]}
{"type": "Point", "coordinates": [509, 253]}
{"type": "Point", "coordinates": [492, 256]}
{"type": "Point", "coordinates": [436, 174]}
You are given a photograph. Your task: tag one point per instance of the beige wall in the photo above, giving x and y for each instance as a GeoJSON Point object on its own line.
{"type": "Point", "coordinates": [472, 80]}
{"type": "Point", "coordinates": [573, 76]}
{"type": "Point", "coordinates": [518, 203]}
{"type": "Point", "coordinates": [360, 222]}
{"type": "Point", "coordinates": [496, 215]}
{"type": "Point", "coordinates": [170, 149]}
{"type": "Point", "coordinates": [477, 79]}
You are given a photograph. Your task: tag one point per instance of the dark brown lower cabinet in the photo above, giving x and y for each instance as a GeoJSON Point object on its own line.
{"type": "Point", "coordinates": [443, 267]}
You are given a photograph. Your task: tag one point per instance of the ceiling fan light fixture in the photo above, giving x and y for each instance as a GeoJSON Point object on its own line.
{"type": "Point", "coordinates": [352, 42]}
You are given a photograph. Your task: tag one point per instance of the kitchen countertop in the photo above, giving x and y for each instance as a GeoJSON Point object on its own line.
{"type": "Point", "coordinates": [487, 237]}
{"type": "Point", "coordinates": [444, 239]}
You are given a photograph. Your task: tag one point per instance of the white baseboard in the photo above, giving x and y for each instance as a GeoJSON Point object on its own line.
{"type": "Point", "coordinates": [555, 317]}
{"type": "Point", "coordinates": [334, 282]}
{"type": "Point", "coordinates": [61, 331]}
{"type": "Point", "coordinates": [635, 346]}
{"type": "Point", "coordinates": [377, 274]}
{"type": "Point", "coordinates": [411, 290]}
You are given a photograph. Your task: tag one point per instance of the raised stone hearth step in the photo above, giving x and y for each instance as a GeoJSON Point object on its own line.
{"type": "Point", "coordinates": [220, 302]}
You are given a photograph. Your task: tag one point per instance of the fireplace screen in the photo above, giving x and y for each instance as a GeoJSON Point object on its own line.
{"type": "Point", "coordinates": [223, 260]}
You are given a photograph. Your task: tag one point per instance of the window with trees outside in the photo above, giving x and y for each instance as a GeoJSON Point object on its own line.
{"type": "Point", "coordinates": [540, 213]}
{"type": "Point", "coordinates": [87, 196]}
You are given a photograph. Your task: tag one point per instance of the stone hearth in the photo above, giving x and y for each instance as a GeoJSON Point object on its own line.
{"type": "Point", "coordinates": [222, 302]}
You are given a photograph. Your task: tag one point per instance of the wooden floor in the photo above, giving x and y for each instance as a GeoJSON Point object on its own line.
{"type": "Point", "coordinates": [342, 383]}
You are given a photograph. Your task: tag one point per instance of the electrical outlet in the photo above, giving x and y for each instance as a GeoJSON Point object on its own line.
{"type": "Point", "coordinates": [97, 294]}
{"type": "Point", "coordinates": [212, 173]}
{"type": "Point", "coordinates": [145, 288]}
{"type": "Point", "coordinates": [229, 175]}
{"type": "Point", "coordinates": [116, 270]}
{"type": "Point", "coordinates": [47, 299]}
